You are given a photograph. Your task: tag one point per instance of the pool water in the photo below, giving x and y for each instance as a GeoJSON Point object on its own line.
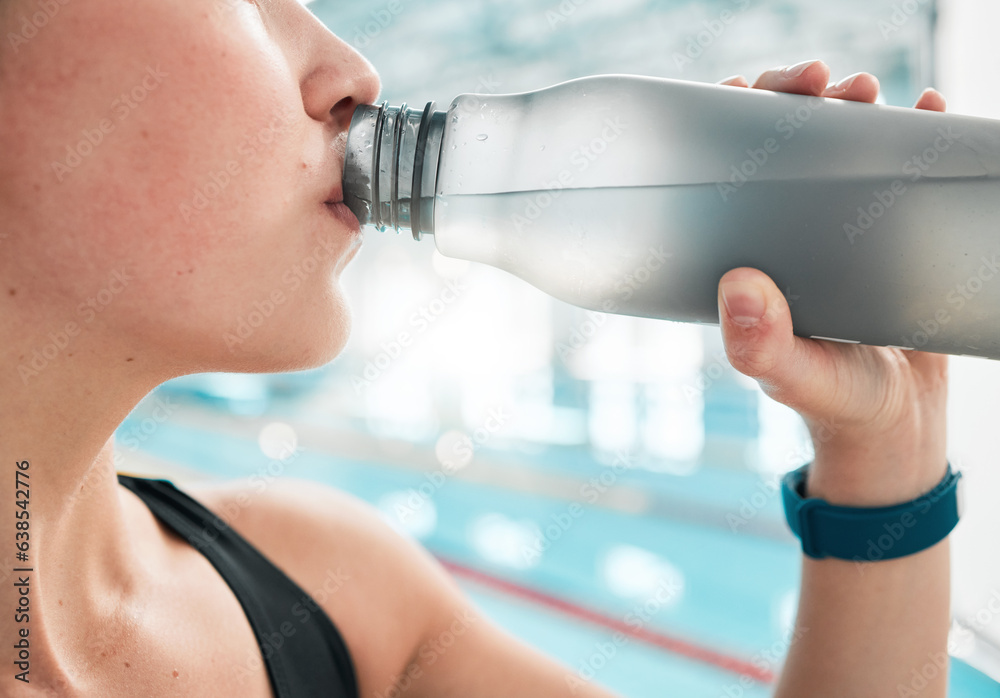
{"type": "Point", "coordinates": [638, 587]}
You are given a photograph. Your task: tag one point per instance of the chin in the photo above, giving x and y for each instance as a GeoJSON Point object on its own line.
{"type": "Point", "coordinates": [302, 345]}
{"type": "Point", "coordinates": [323, 353]}
{"type": "Point", "coordinates": [326, 341]}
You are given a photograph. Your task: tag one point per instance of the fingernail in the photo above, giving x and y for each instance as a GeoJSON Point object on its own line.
{"type": "Point", "coordinates": [844, 84]}
{"type": "Point", "coordinates": [794, 71]}
{"type": "Point", "coordinates": [744, 302]}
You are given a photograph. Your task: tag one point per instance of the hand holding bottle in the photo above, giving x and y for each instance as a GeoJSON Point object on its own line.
{"type": "Point", "coordinates": [876, 414]}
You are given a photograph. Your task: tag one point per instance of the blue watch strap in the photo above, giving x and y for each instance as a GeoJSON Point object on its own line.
{"type": "Point", "coordinates": [869, 534]}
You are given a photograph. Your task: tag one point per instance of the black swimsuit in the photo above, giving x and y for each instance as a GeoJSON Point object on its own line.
{"type": "Point", "coordinates": [305, 655]}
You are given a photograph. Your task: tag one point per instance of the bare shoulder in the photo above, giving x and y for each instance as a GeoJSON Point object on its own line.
{"type": "Point", "coordinates": [397, 608]}
{"type": "Point", "coordinates": [381, 590]}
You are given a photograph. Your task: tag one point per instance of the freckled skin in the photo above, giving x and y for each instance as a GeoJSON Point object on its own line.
{"type": "Point", "coordinates": [226, 134]}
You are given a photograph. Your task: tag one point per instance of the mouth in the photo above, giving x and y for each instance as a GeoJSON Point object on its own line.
{"type": "Point", "coordinates": [343, 215]}
{"type": "Point", "coordinates": [338, 209]}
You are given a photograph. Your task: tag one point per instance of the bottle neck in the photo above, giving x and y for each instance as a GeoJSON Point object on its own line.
{"type": "Point", "coordinates": [391, 166]}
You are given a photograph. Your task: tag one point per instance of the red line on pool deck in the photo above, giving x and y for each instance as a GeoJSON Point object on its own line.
{"type": "Point", "coordinates": [670, 644]}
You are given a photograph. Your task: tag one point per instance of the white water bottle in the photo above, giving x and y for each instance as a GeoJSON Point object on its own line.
{"type": "Point", "coordinates": [634, 195]}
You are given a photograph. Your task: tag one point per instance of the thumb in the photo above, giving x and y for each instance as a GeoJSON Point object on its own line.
{"type": "Point", "coordinates": [757, 330]}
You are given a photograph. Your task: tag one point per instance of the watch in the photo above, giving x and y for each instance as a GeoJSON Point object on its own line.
{"type": "Point", "coordinates": [869, 534]}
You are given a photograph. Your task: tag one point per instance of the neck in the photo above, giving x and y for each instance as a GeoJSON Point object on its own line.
{"type": "Point", "coordinates": [57, 463]}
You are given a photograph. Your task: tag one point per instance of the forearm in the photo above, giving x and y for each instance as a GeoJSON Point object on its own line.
{"type": "Point", "coordinates": [872, 628]}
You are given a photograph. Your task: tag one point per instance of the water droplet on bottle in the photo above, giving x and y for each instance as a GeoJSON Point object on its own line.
{"type": "Point", "coordinates": [481, 137]}
{"type": "Point", "coordinates": [542, 148]}
{"type": "Point", "coordinates": [453, 146]}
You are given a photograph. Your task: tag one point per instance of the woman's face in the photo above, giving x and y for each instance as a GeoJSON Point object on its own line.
{"type": "Point", "coordinates": [164, 172]}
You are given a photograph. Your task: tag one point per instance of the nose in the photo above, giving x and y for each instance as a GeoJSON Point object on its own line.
{"type": "Point", "coordinates": [338, 81]}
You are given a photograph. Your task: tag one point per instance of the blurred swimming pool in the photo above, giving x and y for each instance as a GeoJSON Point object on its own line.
{"type": "Point", "coordinates": [637, 580]}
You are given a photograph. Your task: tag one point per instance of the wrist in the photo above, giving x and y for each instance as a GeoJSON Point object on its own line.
{"type": "Point", "coordinates": [872, 470]}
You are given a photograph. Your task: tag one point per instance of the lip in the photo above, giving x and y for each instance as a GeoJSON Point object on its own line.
{"type": "Point", "coordinates": [342, 214]}
{"type": "Point", "coordinates": [336, 195]}
{"type": "Point", "coordinates": [335, 205]}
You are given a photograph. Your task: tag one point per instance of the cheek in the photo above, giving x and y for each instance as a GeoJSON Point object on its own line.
{"type": "Point", "coordinates": [198, 182]}
{"type": "Point", "coordinates": [171, 126]}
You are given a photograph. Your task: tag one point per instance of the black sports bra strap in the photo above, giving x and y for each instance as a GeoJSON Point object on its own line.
{"type": "Point", "coordinates": [310, 658]}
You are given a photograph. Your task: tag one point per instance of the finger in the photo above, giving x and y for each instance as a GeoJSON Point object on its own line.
{"type": "Point", "coordinates": [806, 78]}
{"type": "Point", "coordinates": [792, 370]}
{"type": "Point", "coordinates": [931, 100]}
{"type": "Point", "coordinates": [735, 81]}
{"type": "Point", "coordinates": [860, 87]}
